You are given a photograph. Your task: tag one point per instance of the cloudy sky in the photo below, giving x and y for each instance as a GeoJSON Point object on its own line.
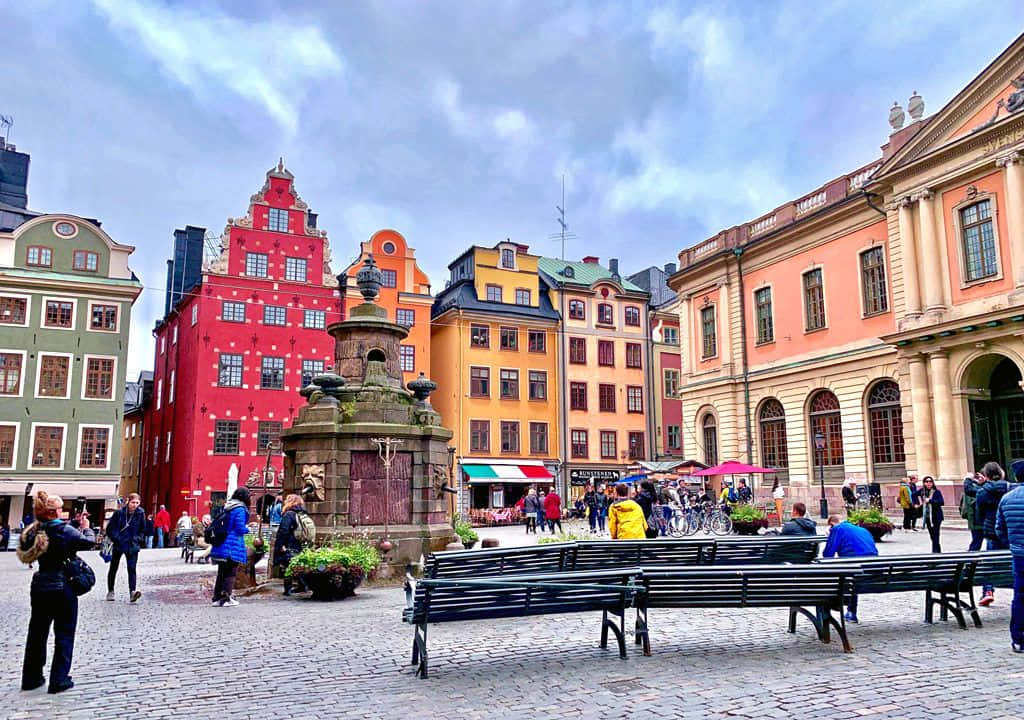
{"type": "Point", "coordinates": [454, 122]}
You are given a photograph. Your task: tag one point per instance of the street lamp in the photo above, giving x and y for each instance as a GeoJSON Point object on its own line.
{"type": "Point", "coordinates": [819, 445]}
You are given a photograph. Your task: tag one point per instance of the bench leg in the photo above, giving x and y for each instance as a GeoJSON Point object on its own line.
{"type": "Point", "coordinates": [792, 620]}
{"type": "Point", "coordinates": [604, 629]}
{"type": "Point", "coordinates": [420, 648]}
{"type": "Point", "coordinates": [840, 627]}
{"type": "Point", "coordinates": [641, 635]}
{"type": "Point", "coordinates": [607, 624]}
{"type": "Point", "coordinates": [815, 619]}
{"type": "Point", "coordinates": [929, 604]}
{"type": "Point", "coordinates": [971, 607]}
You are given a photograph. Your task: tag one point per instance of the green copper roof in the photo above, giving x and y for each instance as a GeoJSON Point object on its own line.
{"type": "Point", "coordinates": [68, 277]}
{"type": "Point", "coordinates": [583, 273]}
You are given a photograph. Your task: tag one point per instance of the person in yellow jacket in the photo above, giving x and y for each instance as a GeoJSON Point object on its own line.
{"type": "Point", "coordinates": [625, 517]}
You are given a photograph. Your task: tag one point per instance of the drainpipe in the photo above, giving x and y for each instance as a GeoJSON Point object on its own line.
{"type": "Point", "coordinates": [738, 254]}
{"type": "Point", "coordinates": [654, 395]}
{"type": "Point", "coordinates": [867, 198]}
{"type": "Point", "coordinates": [563, 413]}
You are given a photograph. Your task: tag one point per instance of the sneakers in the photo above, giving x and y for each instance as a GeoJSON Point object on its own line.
{"type": "Point", "coordinates": [66, 685]}
{"type": "Point", "coordinates": [134, 597]}
{"type": "Point", "coordinates": [850, 617]}
{"type": "Point", "coordinates": [110, 596]}
{"type": "Point", "coordinates": [1017, 647]}
{"type": "Point", "coordinates": [230, 602]}
{"type": "Point", "coordinates": [987, 599]}
{"type": "Point", "coordinates": [29, 686]}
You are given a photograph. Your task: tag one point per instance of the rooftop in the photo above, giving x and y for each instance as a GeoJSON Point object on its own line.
{"type": "Point", "coordinates": [581, 273]}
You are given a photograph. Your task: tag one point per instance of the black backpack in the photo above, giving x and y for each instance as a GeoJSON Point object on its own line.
{"type": "Point", "coordinates": [217, 531]}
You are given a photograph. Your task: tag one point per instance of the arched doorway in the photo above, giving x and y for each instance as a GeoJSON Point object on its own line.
{"type": "Point", "coordinates": [996, 409]}
{"type": "Point", "coordinates": [885, 422]}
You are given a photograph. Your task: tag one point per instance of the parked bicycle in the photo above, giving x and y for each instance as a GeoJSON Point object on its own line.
{"type": "Point", "coordinates": [709, 518]}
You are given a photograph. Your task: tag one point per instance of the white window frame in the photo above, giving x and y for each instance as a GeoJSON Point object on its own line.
{"type": "Point", "coordinates": [39, 372]}
{"type": "Point", "coordinates": [305, 269]}
{"type": "Point", "coordinates": [170, 386]}
{"type": "Point", "coordinates": [195, 314]}
{"type": "Point", "coordinates": [88, 317]}
{"type": "Point", "coordinates": [28, 309]}
{"type": "Point", "coordinates": [55, 298]}
{"type": "Point", "coordinates": [167, 447]}
{"type": "Point", "coordinates": [17, 444]}
{"type": "Point", "coordinates": [78, 447]}
{"type": "Point", "coordinates": [85, 372]}
{"type": "Point", "coordinates": [174, 334]}
{"type": "Point", "coordinates": [63, 445]}
{"type": "Point", "coordinates": [24, 367]}
{"type": "Point", "coordinates": [322, 314]}
{"type": "Point", "coordinates": [159, 393]}
{"type": "Point", "coordinates": [163, 344]}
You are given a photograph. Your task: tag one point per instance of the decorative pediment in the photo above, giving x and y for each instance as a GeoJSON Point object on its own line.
{"type": "Point", "coordinates": [280, 172]}
{"type": "Point", "coordinates": [991, 99]}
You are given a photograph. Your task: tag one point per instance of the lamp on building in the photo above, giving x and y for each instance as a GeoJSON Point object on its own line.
{"type": "Point", "coordinates": [819, 445]}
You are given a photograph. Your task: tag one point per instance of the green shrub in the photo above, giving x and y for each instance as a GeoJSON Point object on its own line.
{"type": "Point", "coordinates": [332, 558]}
{"type": "Point", "coordinates": [465, 531]}
{"type": "Point", "coordinates": [746, 513]}
{"type": "Point", "coordinates": [871, 516]}
{"type": "Point", "coordinates": [562, 537]}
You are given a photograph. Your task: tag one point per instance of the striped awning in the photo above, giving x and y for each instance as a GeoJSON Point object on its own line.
{"type": "Point", "coordinates": [486, 473]}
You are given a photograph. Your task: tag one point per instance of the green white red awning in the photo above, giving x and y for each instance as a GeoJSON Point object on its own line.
{"type": "Point", "coordinates": [486, 473]}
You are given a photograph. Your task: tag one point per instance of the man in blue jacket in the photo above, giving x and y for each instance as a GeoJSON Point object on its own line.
{"type": "Point", "coordinates": [1010, 529]}
{"type": "Point", "coordinates": [848, 540]}
{"type": "Point", "coordinates": [986, 503]}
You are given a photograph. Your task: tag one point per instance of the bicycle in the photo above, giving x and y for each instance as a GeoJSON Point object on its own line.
{"type": "Point", "coordinates": [710, 519]}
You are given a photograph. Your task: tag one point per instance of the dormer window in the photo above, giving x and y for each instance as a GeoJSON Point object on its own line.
{"type": "Point", "coordinates": [277, 220]}
{"type": "Point", "coordinates": [38, 256]}
{"type": "Point", "coordinates": [508, 258]}
{"type": "Point", "coordinates": [85, 261]}
{"type": "Point", "coordinates": [569, 272]}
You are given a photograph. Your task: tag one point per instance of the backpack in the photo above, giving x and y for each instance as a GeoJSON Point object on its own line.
{"type": "Point", "coordinates": [305, 529]}
{"type": "Point", "coordinates": [217, 532]}
{"type": "Point", "coordinates": [967, 507]}
{"type": "Point", "coordinates": [732, 495]}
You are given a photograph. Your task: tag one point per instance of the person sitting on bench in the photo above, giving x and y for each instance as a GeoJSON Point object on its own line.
{"type": "Point", "coordinates": [848, 540]}
{"type": "Point", "coordinates": [800, 524]}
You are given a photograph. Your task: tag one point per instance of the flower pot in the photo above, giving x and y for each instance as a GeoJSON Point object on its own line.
{"type": "Point", "coordinates": [468, 544]}
{"type": "Point", "coordinates": [744, 527]}
{"type": "Point", "coordinates": [877, 530]}
{"type": "Point", "coordinates": [334, 583]}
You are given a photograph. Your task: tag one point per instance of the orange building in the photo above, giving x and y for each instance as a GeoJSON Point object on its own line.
{"type": "Point", "coordinates": [872, 327]}
{"type": "Point", "coordinates": [405, 295]}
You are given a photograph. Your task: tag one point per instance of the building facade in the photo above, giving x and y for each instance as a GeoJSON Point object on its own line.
{"type": "Point", "coordinates": [604, 367]}
{"type": "Point", "coordinates": [137, 394]}
{"type": "Point", "coordinates": [872, 328]}
{"type": "Point", "coordinates": [405, 295]}
{"type": "Point", "coordinates": [66, 294]}
{"type": "Point", "coordinates": [494, 342]}
{"type": "Point", "coordinates": [234, 349]}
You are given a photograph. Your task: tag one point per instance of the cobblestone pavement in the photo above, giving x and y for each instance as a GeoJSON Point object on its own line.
{"type": "Point", "coordinates": [273, 657]}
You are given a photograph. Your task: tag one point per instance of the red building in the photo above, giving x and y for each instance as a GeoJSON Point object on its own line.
{"type": "Point", "coordinates": [241, 335]}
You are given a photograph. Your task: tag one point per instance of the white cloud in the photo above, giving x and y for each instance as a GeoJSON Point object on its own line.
{"type": "Point", "coordinates": [511, 124]}
{"type": "Point", "coordinates": [476, 122]}
{"type": "Point", "coordinates": [265, 61]}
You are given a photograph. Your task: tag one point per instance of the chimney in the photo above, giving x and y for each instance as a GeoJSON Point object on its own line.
{"type": "Point", "coordinates": [670, 268]}
{"type": "Point", "coordinates": [591, 260]}
{"type": "Point", "coordinates": [613, 265]}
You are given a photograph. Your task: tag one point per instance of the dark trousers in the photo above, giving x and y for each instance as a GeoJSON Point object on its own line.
{"type": "Point", "coordinates": [59, 608]}
{"type": "Point", "coordinates": [977, 536]}
{"type": "Point", "coordinates": [130, 559]}
{"type": "Point", "coordinates": [851, 606]}
{"type": "Point", "coordinates": [908, 518]}
{"type": "Point", "coordinates": [552, 524]}
{"type": "Point", "coordinates": [933, 533]}
{"type": "Point", "coordinates": [601, 520]}
{"type": "Point", "coordinates": [226, 570]}
{"type": "Point", "coordinates": [592, 517]}
{"type": "Point", "coordinates": [541, 521]}
{"type": "Point", "coordinates": [992, 544]}
{"type": "Point", "coordinates": [1017, 607]}
{"type": "Point", "coordinates": [531, 523]}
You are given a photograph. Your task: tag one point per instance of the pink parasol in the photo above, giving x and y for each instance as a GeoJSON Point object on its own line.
{"type": "Point", "coordinates": [731, 467]}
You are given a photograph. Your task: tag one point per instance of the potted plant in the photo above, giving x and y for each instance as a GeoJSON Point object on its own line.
{"type": "Point", "coordinates": [747, 520]}
{"type": "Point", "coordinates": [873, 520]}
{"type": "Point", "coordinates": [466, 533]}
{"type": "Point", "coordinates": [333, 572]}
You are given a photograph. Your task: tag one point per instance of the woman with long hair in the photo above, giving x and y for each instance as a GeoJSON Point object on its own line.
{"type": "Point", "coordinates": [931, 504]}
{"type": "Point", "coordinates": [287, 542]}
{"type": "Point", "coordinates": [779, 496]}
{"type": "Point", "coordinates": [51, 542]}
{"type": "Point", "coordinates": [231, 553]}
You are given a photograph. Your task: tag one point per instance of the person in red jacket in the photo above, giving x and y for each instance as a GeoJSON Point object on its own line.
{"type": "Point", "coordinates": [553, 510]}
{"type": "Point", "coordinates": [162, 524]}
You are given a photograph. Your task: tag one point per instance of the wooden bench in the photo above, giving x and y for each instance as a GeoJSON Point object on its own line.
{"type": "Point", "coordinates": [801, 588]}
{"type": "Point", "coordinates": [550, 557]}
{"type": "Point", "coordinates": [947, 579]}
{"type": "Point", "coordinates": [486, 598]}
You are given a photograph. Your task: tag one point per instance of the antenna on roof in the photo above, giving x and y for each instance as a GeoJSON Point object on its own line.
{"type": "Point", "coordinates": [6, 123]}
{"type": "Point", "coordinates": [213, 245]}
{"type": "Point", "coordinates": [564, 234]}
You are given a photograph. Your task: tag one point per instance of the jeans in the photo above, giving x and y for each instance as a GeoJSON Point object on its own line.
{"type": "Point", "coordinates": [666, 512]}
{"type": "Point", "coordinates": [130, 559]}
{"type": "Point", "coordinates": [851, 606]}
{"type": "Point", "coordinates": [149, 542]}
{"type": "Point", "coordinates": [601, 520]}
{"type": "Point", "coordinates": [226, 570]}
{"type": "Point", "coordinates": [592, 517]}
{"type": "Point", "coordinates": [933, 532]}
{"type": "Point", "coordinates": [991, 544]}
{"type": "Point", "coordinates": [541, 522]}
{"type": "Point", "coordinates": [1017, 607]}
{"type": "Point", "coordinates": [976, 537]}
{"type": "Point", "coordinates": [60, 609]}
{"type": "Point", "coordinates": [160, 537]}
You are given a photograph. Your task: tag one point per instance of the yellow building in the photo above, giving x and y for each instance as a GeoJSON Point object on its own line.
{"type": "Point", "coordinates": [604, 361]}
{"type": "Point", "coordinates": [494, 356]}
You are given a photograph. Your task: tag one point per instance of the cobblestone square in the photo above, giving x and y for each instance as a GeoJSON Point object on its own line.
{"type": "Point", "coordinates": [174, 655]}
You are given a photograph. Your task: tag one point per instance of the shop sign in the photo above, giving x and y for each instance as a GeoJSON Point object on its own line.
{"type": "Point", "coordinates": [585, 476]}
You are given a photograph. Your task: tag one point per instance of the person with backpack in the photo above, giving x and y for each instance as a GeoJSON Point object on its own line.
{"type": "Point", "coordinates": [968, 510]}
{"type": "Point", "coordinates": [126, 530]}
{"type": "Point", "coordinates": [295, 532]}
{"type": "Point", "coordinates": [728, 497]}
{"type": "Point", "coordinates": [986, 505]}
{"type": "Point", "coordinates": [53, 543]}
{"type": "Point", "coordinates": [227, 534]}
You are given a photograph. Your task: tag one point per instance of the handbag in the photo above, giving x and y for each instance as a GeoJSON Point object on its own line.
{"type": "Point", "coordinates": [79, 575]}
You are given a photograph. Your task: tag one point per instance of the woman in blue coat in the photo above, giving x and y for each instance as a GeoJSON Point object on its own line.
{"type": "Point", "coordinates": [931, 504]}
{"type": "Point", "coordinates": [231, 553]}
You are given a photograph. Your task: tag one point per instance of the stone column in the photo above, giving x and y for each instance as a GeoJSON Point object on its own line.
{"type": "Point", "coordinates": [932, 253]}
{"type": "Point", "coordinates": [945, 426]}
{"type": "Point", "coordinates": [908, 245]}
{"type": "Point", "coordinates": [1014, 169]}
{"type": "Point", "coordinates": [920, 408]}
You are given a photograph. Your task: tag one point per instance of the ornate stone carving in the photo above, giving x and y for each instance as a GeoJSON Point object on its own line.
{"type": "Point", "coordinates": [1013, 158]}
{"type": "Point", "coordinates": [312, 482]}
{"type": "Point", "coordinates": [896, 116]}
{"type": "Point", "coordinates": [439, 479]}
{"type": "Point", "coordinates": [925, 194]}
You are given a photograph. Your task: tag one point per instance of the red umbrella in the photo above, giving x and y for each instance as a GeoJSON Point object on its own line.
{"type": "Point", "coordinates": [732, 467]}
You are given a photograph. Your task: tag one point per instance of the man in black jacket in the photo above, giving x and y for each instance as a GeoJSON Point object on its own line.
{"type": "Point", "coordinates": [800, 524]}
{"type": "Point", "coordinates": [986, 503]}
{"type": "Point", "coordinates": [125, 530]}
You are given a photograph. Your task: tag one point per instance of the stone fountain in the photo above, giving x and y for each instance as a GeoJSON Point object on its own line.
{"type": "Point", "coordinates": [369, 455]}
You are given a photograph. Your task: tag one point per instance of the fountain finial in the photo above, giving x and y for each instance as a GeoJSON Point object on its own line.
{"type": "Point", "coordinates": [369, 279]}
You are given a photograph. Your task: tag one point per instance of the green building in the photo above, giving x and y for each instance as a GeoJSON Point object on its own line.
{"type": "Point", "coordinates": [66, 295]}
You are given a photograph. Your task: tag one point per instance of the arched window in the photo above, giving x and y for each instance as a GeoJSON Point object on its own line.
{"type": "Point", "coordinates": [710, 439]}
{"type": "Point", "coordinates": [886, 418]}
{"type": "Point", "coordinates": [772, 419]}
{"type": "Point", "coordinates": [825, 419]}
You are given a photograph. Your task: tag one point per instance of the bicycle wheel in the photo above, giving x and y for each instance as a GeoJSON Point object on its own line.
{"type": "Point", "coordinates": [721, 524]}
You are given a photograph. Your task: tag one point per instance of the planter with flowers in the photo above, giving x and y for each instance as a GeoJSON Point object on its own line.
{"type": "Point", "coordinates": [747, 520]}
{"type": "Point", "coordinates": [872, 520]}
{"type": "Point", "coordinates": [333, 572]}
